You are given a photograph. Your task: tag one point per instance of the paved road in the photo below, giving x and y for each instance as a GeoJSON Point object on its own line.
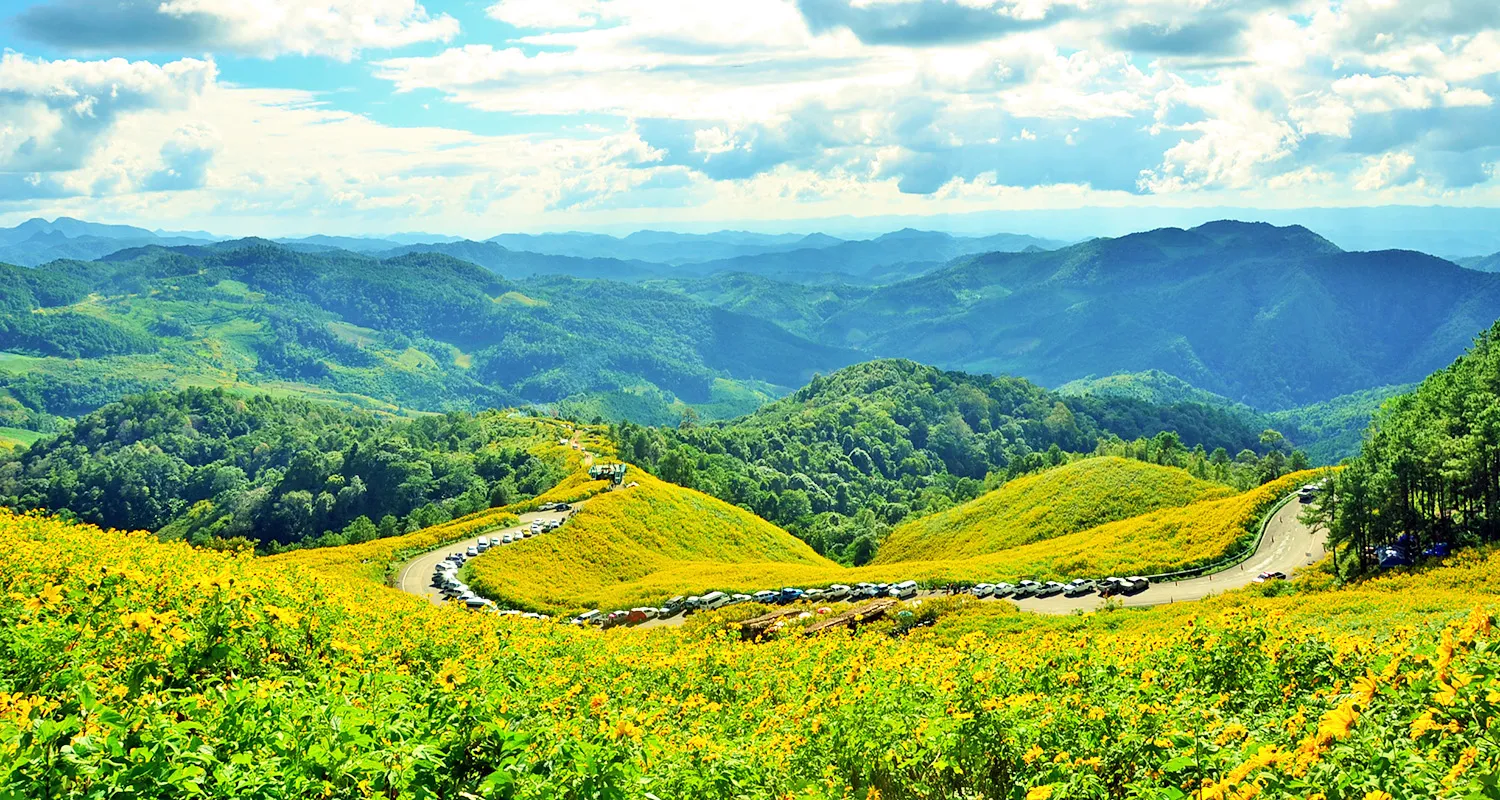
{"type": "Point", "coordinates": [1287, 547]}
{"type": "Point", "coordinates": [416, 576]}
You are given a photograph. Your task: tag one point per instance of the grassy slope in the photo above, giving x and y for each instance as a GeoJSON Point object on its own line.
{"type": "Point", "coordinates": [641, 546]}
{"type": "Point", "coordinates": [627, 546]}
{"type": "Point", "coordinates": [1046, 505]}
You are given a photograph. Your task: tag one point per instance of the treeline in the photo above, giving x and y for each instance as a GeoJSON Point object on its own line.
{"type": "Point", "coordinates": [1244, 470]}
{"type": "Point", "coordinates": [854, 453]}
{"type": "Point", "coordinates": [208, 465]}
{"type": "Point", "coordinates": [1428, 474]}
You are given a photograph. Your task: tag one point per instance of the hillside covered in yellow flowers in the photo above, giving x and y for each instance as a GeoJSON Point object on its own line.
{"type": "Point", "coordinates": [1045, 505]}
{"type": "Point", "coordinates": [643, 545]}
{"type": "Point", "coordinates": [129, 667]}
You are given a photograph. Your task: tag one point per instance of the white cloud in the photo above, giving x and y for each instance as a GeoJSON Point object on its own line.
{"type": "Point", "coordinates": [548, 14]}
{"type": "Point", "coordinates": [337, 28]}
{"type": "Point", "coordinates": [1384, 171]}
{"type": "Point", "coordinates": [54, 113]}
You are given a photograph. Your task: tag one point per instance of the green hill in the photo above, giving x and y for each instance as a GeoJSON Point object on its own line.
{"type": "Point", "coordinates": [1069, 499]}
{"type": "Point", "coordinates": [871, 445]}
{"type": "Point", "coordinates": [1270, 317]}
{"type": "Point", "coordinates": [640, 545]}
{"type": "Point", "coordinates": [419, 330]}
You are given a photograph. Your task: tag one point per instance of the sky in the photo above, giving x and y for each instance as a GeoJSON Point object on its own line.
{"type": "Point", "coordinates": [284, 117]}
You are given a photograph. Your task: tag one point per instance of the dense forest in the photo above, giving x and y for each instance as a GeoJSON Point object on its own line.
{"type": "Point", "coordinates": [855, 452]}
{"type": "Point", "coordinates": [418, 330]}
{"type": "Point", "coordinates": [1428, 476]}
{"type": "Point", "coordinates": [208, 464]}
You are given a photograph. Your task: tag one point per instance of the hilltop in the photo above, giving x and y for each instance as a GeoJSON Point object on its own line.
{"type": "Point", "coordinates": [419, 330]}
{"type": "Point", "coordinates": [637, 544]}
{"type": "Point", "coordinates": [1266, 316]}
{"type": "Point", "coordinates": [1068, 499]}
{"type": "Point", "coordinates": [872, 445]}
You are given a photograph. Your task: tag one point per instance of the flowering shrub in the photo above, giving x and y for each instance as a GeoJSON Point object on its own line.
{"type": "Point", "coordinates": [134, 668]}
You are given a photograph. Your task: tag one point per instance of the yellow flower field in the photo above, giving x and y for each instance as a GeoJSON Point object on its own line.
{"type": "Point", "coordinates": [129, 667]}
{"type": "Point", "coordinates": [645, 545]}
{"type": "Point", "coordinates": [1069, 499]}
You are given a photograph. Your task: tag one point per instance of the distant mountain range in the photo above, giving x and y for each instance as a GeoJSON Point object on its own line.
{"type": "Point", "coordinates": [38, 241]}
{"type": "Point", "coordinates": [1489, 263]}
{"type": "Point", "coordinates": [1272, 317]}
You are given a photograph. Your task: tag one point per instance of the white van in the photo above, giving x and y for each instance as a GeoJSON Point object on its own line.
{"type": "Point", "coordinates": [713, 600]}
{"type": "Point", "coordinates": [904, 589]}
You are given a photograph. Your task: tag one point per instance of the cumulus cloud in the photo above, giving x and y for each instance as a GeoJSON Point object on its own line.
{"type": "Point", "coordinates": [548, 14]}
{"type": "Point", "coordinates": [931, 22]}
{"type": "Point", "coordinates": [1384, 171]}
{"type": "Point", "coordinates": [56, 112]}
{"type": "Point", "coordinates": [336, 28]}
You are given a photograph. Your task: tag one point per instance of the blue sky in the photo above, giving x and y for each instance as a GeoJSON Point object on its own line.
{"type": "Point", "coordinates": [363, 116]}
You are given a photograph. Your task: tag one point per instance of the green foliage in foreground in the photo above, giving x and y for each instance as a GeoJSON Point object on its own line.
{"type": "Point", "coordinates": [207, 463]}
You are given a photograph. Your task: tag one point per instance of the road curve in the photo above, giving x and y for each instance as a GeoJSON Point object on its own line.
{"type": "Point", "coordinates": [1287, 547]}
{"type": "Point", "coordinates": [416, 576]}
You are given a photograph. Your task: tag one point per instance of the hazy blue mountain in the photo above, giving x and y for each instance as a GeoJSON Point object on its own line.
{"type": "Point", "coordinates": [884, 259]}
{"type": "Point", "coordinates": [1272, 317]}
{"type": "Point", "coordinates": [1489, 263]}
{"type": "Point", "coordinates": [37, 241]}
{"type": "Point", "coordinates": [521, 263]}
{"type": "Point", "coordinates": [659, 246]}
{"type": "Point", "coordinates": [356, 244]}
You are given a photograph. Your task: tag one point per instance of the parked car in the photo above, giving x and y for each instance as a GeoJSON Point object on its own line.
{"type": "Point", "coordinates": [813, 595]}
{"type": "Point", "coordinates": [615, 618]}
{"type": "Point", "coordinates": [676, 605]}
{"type": "Point", "coordinates": [562, 507]}
{"type": "Point", "coordinates": [1138, 584]}
{"type": "Point", "coordinates": [904, 589]}
{"type": "Point", "coordinates": [789, 594]}
{"type": "Point", "coordinates": [1269, 576]}
{"type": "Point", "coordinates": [1050, 589]}
{"type": "Point", "coordinates": [471, 552]}
{"type": "Point", "coordinates": [694, 603]}
{"type": "Point", "coordinates": [585, 618]}
{"type": "Point", "coordinates": [736, 599]}
{"type": "Point", "coordinates": [507, 539]}
{"type": "Point", "coordinates": [476, 603]}
{"type": "Point", "coordinates": [838, 591]}
{"type": "Point", "coordinates": [1026, 589]}
{"type": "Point", "coordinates": [766, 596]}
{"type": "Point", "coordinates": [982, 589]}
{"type": "Point", "coordinates": [547, 507]}
{"type": "Point", "coordinates": [483, 544]}
{"type": "Point", "coordinates": [1078, 588]}
{"type": "Point", "coordinates": [1003, 590]}
{"type": "Point", "coordinates": [713, 600]}
{"type": "Point", "coordinates": [865, 590]}
{"type": "Point", "coordinates": [638, 615]}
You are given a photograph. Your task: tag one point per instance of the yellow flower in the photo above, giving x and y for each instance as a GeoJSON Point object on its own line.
{"type": "Point", "coordinates": [1376, 794]}
{"type": "Point", "coordinates": [625, 728]}
{"type": "Point", "coordinates": [450, 677]}
{"type": "Point", "coordinates": [1033, 754]}
{"type": "Point", "coordinates": [1039, 792]}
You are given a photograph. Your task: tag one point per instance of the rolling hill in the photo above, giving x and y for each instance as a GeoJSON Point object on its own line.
{"type": "Point", "coordinates": [419, 330]}
{"type": "Point", "coordinates": [631, 545]}
{"type": "Point", "coordinates": [1270, 317]}
{"type": "Point", "coordinates": [1072, 498]}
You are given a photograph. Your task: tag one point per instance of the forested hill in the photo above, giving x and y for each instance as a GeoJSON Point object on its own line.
{"type": "Point", "coordinates": [207, 463]}
{"type": "Point", "coordinates": [866, 447]}
{"type": "Point", "coordinates": [420, 330]}
{"type": "Point", "coordinates": [1272, 317]}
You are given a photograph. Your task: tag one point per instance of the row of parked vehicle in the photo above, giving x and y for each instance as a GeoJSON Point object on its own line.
{"type": "Point", "coordinates": [838, 592]}
{"type": "Point", "coordinates": [445, 574]}
{"type": "Point", "coordinates": [1109, 587]}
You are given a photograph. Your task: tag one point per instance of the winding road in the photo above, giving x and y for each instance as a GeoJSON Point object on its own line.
{"type": "Point", "coordinates": [1288, 545]}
